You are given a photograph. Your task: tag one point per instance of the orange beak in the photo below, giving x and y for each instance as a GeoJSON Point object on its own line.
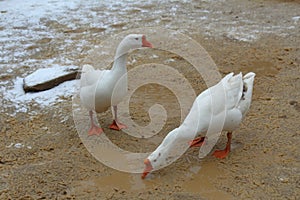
{"type": "Point", "coordinates": [148, 168]}
{"type": "Point", "coordinates": [146, 43]}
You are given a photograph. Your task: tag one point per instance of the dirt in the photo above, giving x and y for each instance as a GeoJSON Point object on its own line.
{"type": "Point", "coordinates": [264, 162]}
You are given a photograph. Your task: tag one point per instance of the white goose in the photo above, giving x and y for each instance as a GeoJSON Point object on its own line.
{"type": "Point", "coordinates": [230, 99]}
{"type": "Point", "coordinates": [98, 86]}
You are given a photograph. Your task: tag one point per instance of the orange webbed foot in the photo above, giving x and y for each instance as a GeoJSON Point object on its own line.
{"type": "Point", "coordinates": [117, 126]}
{"type": "Point", "coordinates": [95, 130]}
{"type": "Point", "coordinates": [198, 142]}
{"type": "Point", "coordinates": [221, 153]}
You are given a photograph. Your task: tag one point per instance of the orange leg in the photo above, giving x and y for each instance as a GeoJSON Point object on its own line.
{"type": "Point", "coordinates": [94, 130]}
{"type": "Point", "coordinates": [225, 152]}
{"type": "Point", "coordinates": [197, 142]}
{"type": "Point", "coordinates": [116, 125]}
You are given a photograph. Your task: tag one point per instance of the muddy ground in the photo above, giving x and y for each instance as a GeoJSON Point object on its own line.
{"type": "Point", "coordinates": [264, 162]}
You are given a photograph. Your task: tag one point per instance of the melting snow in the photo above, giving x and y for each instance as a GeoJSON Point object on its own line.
{"type": "Point", "coordinates": [25, 25]}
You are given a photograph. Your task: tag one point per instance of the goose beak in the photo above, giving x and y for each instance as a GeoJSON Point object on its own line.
{"type": "Point", "coordinates": [146, 43]}
{"type": "Point", "coordinates": [148, 168]}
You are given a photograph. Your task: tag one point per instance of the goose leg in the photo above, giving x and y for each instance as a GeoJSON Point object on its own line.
{"type": "Point", "coordinates": [116, 125]}
{"type": "Point", "coordinates": [94, 130]}
{"type": "Point", "coordinates": [225, 152]}
{"type": "Point", "coordinates": [197, 142]}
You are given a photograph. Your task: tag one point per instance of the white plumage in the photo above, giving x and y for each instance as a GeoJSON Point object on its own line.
{"type": "Point", "coordinates": [101, 89]}
{"type": "Point", "coordinates": [220, 107]}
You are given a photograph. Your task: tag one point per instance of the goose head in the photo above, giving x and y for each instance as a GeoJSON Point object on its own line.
{"type": "Point", "coordinates": [131, 42]}
{"type": "Point", "coordinates": [155, 160]}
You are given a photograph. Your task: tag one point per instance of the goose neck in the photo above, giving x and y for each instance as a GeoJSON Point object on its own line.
{"type": "Point", "coordinates": [120, 63]}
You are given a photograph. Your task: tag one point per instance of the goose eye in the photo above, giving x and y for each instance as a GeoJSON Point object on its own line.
{"type": "Point", "coordinates": [136, 38]}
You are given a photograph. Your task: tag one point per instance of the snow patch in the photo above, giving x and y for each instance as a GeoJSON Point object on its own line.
{"type": "Point", "coordinates": [296, 19]}
{"type": "Point", "coordinates": [22, 101]}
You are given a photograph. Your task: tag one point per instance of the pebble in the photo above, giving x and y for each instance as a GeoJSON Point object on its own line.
{"type": "Point", "coordinates": [11, 144]}
{"type": "Point", "coordinates": [283, 179]}
{"type": "Point", "coordinates": [256, 182]}
{"type": "Point", "coordinates": [19, 145]}
{"type": "Point", "coordinates": [64, 119]}
{"type": "Point", "coordinates": [45, 128]}
{"type": "Point", "coordinates": [169, 60]}
{"type": "Point", "coordinates": [154, 56]}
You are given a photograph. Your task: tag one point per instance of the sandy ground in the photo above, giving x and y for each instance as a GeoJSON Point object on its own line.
{"type": "Point", "coordinates": [264, 162]}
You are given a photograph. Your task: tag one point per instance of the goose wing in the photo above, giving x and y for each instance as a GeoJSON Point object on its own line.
{"type": "Point", "coordinates": [234, 89]}
{"type": "Point", "coordinates": [90, 76]}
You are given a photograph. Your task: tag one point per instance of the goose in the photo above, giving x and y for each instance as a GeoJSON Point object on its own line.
{"type": "Point", "coordinates": [98, 86]}
{"type": "Point", "coordinates": [231, 96]}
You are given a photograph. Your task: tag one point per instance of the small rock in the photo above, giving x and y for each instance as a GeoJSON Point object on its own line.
{"type": "Point", "coordinates": [256, 182]}
{"type": "Point", "coordinates": [47, 78]}
{"type": "Point", "coordinates": [11, 144]}
{"type": "Point", "coordinates": [19, 145]}
{"type": "Point", "coordinates": [64, 119]}
{"type": "Point", "coordinates": [123, 192]}
{"type": "Point", "coordinates": [154, 56]}
{"type": "Point", "coordinates": [169, 60]}
{"type": "Point", "coordinates": [177, 187]}
{"type": "Point", "coordinates": [282, 116]}
{"type": "Point", "coordinates": [279, 58]}
{"type": "Point", "coordinates": [293, 103]}
{"type": "Point", "coordinates": [284, 179]}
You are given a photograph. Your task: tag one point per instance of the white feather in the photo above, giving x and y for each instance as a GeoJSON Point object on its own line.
{"type": "Point", "coordinates": [220, 107]}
